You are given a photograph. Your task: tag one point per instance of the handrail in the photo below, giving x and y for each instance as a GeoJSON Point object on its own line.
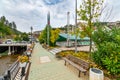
{"type": "Point", "coordinates": [11, 72]}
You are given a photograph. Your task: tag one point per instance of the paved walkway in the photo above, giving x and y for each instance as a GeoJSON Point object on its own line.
{"type": "Point", "coordinates": [45, 66]}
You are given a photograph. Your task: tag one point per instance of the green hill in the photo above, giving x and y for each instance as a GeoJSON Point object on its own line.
{"type": "Point", "coordinates": [7, 28]}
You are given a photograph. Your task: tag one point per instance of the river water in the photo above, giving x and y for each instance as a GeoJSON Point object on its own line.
{"type": "Point", "coordinates": [6, 61]}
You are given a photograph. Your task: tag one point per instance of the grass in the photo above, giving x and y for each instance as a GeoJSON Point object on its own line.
{"type": "Point", "coordinates": [4, 53]}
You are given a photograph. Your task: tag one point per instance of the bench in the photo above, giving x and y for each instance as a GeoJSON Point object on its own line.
{"type": "Point", "coordinates": [79, 64]}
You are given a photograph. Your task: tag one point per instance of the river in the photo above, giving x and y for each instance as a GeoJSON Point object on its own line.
{"type": "Point", "coordinates": [6, 61]}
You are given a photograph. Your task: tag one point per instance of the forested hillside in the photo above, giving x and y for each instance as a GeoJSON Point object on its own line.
{"type": "Point", "coordinates": [7, 28]}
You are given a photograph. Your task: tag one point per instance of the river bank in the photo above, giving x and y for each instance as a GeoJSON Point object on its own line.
{"type": "Point", "coordinates": [6, 61]}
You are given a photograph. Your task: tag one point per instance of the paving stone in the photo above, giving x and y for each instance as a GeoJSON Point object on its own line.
{"type": "Point", "coordinates": [52, 70]}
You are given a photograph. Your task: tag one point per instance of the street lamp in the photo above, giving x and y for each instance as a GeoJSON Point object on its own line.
{"type": "Point", "coordinates": [75, 26]}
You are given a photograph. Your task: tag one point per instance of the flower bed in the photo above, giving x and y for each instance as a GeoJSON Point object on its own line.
{"type": "Point", "coordinates": [85, 56]}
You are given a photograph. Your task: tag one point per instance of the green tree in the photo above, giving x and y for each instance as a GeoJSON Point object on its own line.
{"type": "Point", "coordinates": [89, 12]}
{"type": "Point", "coordinates": [6, 28]}
{"type": "Point", "coordinates": [3, 19]}
{"type": "Point", "coordinates": [10, 24]}
{"type": "Point", "coordinates": [17, 38]}
{"type": "Point", "coordinates": [14, 25]}
{"type": "Point", "coordinates": [54, 36]}
{"type": "Point", "coordinates": [43, 36]}
{"type": "Point", "coordinates": [25, 37]}
{"type": "Point", "coordinates": [107, 53]}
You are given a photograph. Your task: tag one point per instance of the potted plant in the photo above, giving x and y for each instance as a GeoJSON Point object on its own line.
{"type": "Point", "coordinates": [23, 61]}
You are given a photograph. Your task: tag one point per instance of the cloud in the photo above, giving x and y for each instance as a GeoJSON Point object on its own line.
{"type": "Point", "coordinates": [27, 13]}
{"type": "Point", "coordinates": [52, 2]}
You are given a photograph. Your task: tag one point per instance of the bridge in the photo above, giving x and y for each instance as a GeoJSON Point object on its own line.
{"type": "Point", "coordinates": [12, 47]}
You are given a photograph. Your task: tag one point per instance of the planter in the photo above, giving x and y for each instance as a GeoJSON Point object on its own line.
{"type": "Point", "coordinates": [96, 74]}
{"type": "Point", "coordinates": [23, 64]}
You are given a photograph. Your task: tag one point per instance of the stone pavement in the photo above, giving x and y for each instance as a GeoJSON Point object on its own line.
{"type": "Point", "coordinates": [44, 66]}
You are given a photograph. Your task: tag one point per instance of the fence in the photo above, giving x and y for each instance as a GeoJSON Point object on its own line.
{"type": "Point", "coordinates": [11, 72]}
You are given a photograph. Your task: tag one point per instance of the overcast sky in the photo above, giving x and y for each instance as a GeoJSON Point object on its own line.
{"type": "Point", "coordinates": [27, 13]}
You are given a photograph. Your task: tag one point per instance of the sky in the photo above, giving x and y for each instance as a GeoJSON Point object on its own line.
{"type": "Point", "coordinates": [27, 13]}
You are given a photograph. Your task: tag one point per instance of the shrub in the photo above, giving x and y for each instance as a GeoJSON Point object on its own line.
{"type": "Point", "coordinates": [82, 55]}
{"type": "Point", "coordinates": [107, 54]}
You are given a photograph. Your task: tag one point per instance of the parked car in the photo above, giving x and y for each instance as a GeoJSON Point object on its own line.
{"type": "Point", "coordinates": [8, 41]}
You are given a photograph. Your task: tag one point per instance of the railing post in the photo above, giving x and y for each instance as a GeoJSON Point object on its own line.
{"type": "Point", "coordinates": [9, 76]}
{"type": "Point", "coordinates": [6, 77]}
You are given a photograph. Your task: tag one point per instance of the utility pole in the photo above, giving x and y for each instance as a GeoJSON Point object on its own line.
{"type": "Point", "coordinates": [48, 30]}
{"type": "Point", "coordinates": [75, 26]}
{"type": "Point", "coordinates": [48, 35]}
{"type": "Point", "coordinates": [68, 18]}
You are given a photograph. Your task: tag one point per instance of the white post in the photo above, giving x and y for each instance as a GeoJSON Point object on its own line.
{"type": "Point", "coordinates": [9, 52]}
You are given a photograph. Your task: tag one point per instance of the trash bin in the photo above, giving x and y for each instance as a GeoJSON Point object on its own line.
{"type": "Point", "coordinates": [96, 74]}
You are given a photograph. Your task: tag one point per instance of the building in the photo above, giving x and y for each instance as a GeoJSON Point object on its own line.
{"type": "Point", "coordinates": [36, 33]}
{"type": "Point", "coordinates": [62, 40]}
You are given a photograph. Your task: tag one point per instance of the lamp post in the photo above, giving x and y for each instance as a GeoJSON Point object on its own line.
{"type": "Point", "coordinates": [75, 26]}
{"type": "Point", "coordinates": [31, 33]}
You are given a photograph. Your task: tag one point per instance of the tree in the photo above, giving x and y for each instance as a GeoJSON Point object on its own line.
{"type": "Point", "coordinates": [3, 19]}
{"type": "Point", "coordinates": [10, 24]}
{"type": "Point", "coordinates": [6, 28]}
{"type": "Point", "coordinates": [54, 36]}
{"type": "Point", "coordinates": [43, 36]}
{"type": "Point", "coordinates": [107, 54]}
{"type": "Point", "coordinates": [89, 11]}
{"type": "Point", "coordinates": [25, 37]}
{"type": "Point", "coordinates": [17, 38]}
{"type": "Point", "coordinates": [14, 25]}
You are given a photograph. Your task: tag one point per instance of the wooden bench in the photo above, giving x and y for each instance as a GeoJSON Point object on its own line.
{"type": "Point", "coordinates": [79, 64]}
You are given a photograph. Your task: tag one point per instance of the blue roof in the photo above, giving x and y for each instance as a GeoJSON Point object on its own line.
{"type": "Point", "coordinates": [72, 37]}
